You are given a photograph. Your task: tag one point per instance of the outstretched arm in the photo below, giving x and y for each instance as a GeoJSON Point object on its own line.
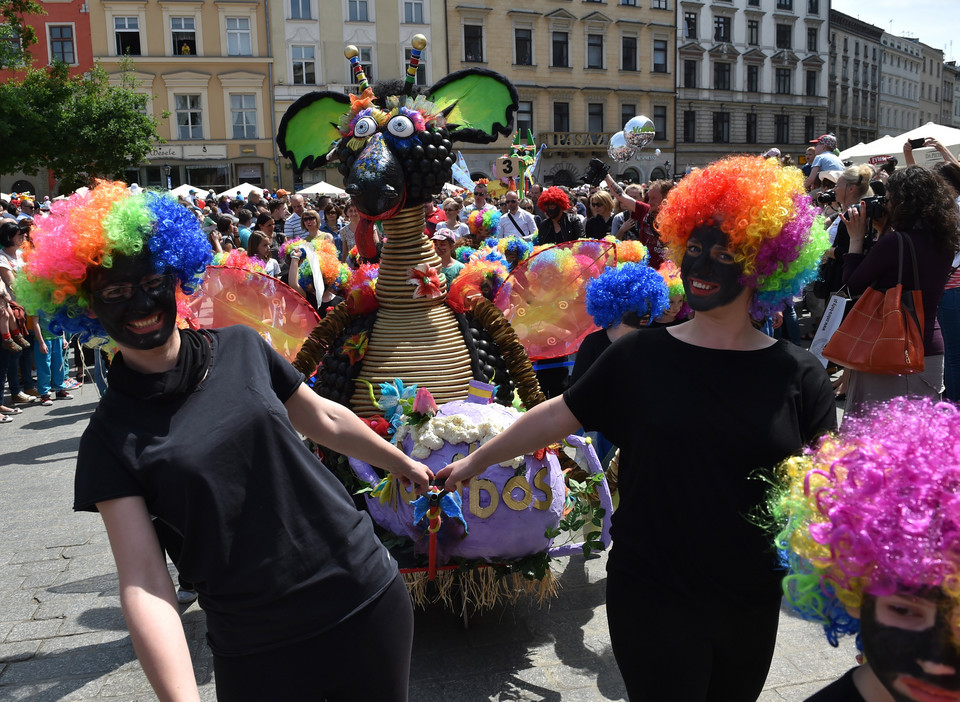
{"type": "Point", "coordinates": [333, 425]}
{"type": "Point", "coordinates": [541, 426]}
{"type": "Point", "coordinates": [148, 600]}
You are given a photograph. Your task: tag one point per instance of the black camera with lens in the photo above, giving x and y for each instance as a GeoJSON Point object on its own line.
{"type": "Point", "coordinates": [872, 206]}
{"type": "Point", "coordinates": [826, 197]}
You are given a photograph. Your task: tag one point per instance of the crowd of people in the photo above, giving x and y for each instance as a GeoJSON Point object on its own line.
{"type": "Point", "coordinates": [738, 246]}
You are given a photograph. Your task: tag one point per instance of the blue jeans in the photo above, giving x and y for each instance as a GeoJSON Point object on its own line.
{"type": "Point", "coordinates": [949, 317]}
{"type": "Point", "coordinates": [50, 370]}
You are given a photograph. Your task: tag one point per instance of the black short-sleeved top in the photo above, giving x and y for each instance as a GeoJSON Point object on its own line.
{"type": "Point", "coordinates": [841, 690]}
{"type": "Point", "coordinates": [593, 345]}
{"type": "Point", "coordinates": [697, 429]}
{"type": "Point", "coordinates": [272, 539]}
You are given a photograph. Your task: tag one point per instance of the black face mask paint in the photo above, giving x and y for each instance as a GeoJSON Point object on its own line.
{"type": "Point", "coordinates": [710, 276]}
{"type": "Point", "coordinates": [916, 660]}
{"type": "Point", "coordinates": [552, 211]}
{"type": "Point", "coordinates": [148, 318]}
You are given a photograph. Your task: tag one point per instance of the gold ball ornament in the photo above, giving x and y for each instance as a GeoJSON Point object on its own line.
{"type": "Point", "coordinates": [419, 42]}
{"type": "Point", "coordinates": [351, 51]}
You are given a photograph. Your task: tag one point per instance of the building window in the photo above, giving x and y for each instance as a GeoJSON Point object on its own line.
{"type": "Point", "coordinates": [523, 45]}
{"type": "Point", "coordinates": [243, 116]}
{"type": "Point", "coordinates": [357, 11]}
{"type": "Point", "coordinates": [813, 7]}
{"type": "Point", "coordinates": [300, 9]}
{"type": "Point", "coordinates": [473, 43]}
{"type": "Point", "coordinates": [690, 70]}
{"type": "Point", "coordinates": [561, 116]}
{"type": "Point", "coordinates": [628, 61]}
{"type": "Point", "coordinates": [561, 50]}
{"type": "Point", "coordinates": [659, 5]}
{"type": "Point", "coordinates": [812, 79]}
{"type": "Point", "coordinates": [189, 116]}
{"type": "Point", "coordinates": [785, 5]}
{"type": "Point", "coordinates": [238, 36]}
{"type": "Point", "coordinates": [689, 126]}
{"type": "Point", "coordinates": [594, 51]}
{"type": "Point", "coordinates": [752, 128]}
{"type": "Point", "coordinates": [781, 128]}
{"type": "Point", "coordinates": [721, 76]}
{"type": "Point", "coordinates": [126, 33]}
{"type": "Point", "coordinates": [721, 127]}
{"type": "Point", "coordinates": [627, 111]}
{"type": "Point", "coordinates": [61, 43]}
{"type": "Point", "coordinates": [660, 122]}
{"type": "Point", "coordinates": [304, 65]}
{"type": "Point", "coordinates": [784, 36]}
{"type": "Point", "coordinates": [784, 86]}
{"type": "Point", "coordinates": [183, 32]}
{"type": "Point", "coordinates": [595, 117]}
{"type": "Point", "coordinates": [812, 39]}
{"type": "Point", "coordinates": [524, 117]}
{"type": "Point", "coordinates": [421, 77]}
{"type": "Point", "coordinates": [659, 55]}
{"type": "Point", "coordinates": [631, 3]}
{"type": "Point", "coordinates": [413, 11]}
{"type": "Point", "coordinates": [690, 25]}
{"type": "Point", "coordinates": [753, 79]}
{"type": "Point", "coordinates": [721, 29]}
{"type": "Point", "coordinates": [753, 32]}
{"type": "Point", "coordinates": [809, 128]}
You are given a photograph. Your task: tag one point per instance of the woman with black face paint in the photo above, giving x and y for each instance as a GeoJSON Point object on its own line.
{"type": "Point", "coordinates": [692, 585]}
{"type": "Point", "coordinates": [201, 430]}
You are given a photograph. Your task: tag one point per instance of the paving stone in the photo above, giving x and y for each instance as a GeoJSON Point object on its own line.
{"type": "Point", "coordinates": [35, 630]}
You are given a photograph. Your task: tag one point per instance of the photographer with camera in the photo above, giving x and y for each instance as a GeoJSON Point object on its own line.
{"type": "Point", "coordinates": [920, 207]}
{"type": "Point", "coordinates": [923, 143]}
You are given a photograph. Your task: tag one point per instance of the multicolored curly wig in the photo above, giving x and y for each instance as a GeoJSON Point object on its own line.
{"type": "Point", "coordinates": [237, 258]}
{"type": "Point", "coordinates": [873, 511]}
{"type": "Point", "coordinates": [773, 229]}
{"type": "Point", "coordinates": [483, 224]}
{"type": "Point", "coordinates": [467, 287]}
{"type": "Point", "coordinates": [87, 231]}
{"type": "Point", "coordinates": [630, 287]}
{"type": "Point", "coordinates": [516, 245]}
{"type": "Point", "coordinates": [632, 252]}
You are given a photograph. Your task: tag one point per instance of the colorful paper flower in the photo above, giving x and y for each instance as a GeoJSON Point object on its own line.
{"type": "Point", "coordinates": [380, 425]}
{"type": "Point", "coordinates": [423, 402]}
{"type": "Point", "coordinates": [424, 278]}
{"type": "Point", "coordinates": [355, 347]}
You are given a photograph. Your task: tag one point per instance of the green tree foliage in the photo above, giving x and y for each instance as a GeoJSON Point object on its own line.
{"type": "Point", "coordinates": [79, 127]}
{"type": "Point", "coordinates": [16, 37]}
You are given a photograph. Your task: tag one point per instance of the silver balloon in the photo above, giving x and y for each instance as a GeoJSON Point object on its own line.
{"type": "Point", "coordinates": [619, 150]}
{"type": "Point", "coordinates": [639, 131]}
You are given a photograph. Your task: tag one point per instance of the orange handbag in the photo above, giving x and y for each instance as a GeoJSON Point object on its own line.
{"type": "Point", "coordinates": [883, 333]}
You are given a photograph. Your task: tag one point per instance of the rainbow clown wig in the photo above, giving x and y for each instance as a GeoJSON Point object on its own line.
{"type": "Point", "coordinates": [628, 288]}
{"type": "Point", "coordinates": [873, 511]}
{"type": "Point", "coordinates": [771, 225]}
{"type": "Point", "coordinates": [87, 231]}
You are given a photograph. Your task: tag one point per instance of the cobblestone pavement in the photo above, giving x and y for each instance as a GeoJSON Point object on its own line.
{"type": "Point", "coordinates": [62, 634]}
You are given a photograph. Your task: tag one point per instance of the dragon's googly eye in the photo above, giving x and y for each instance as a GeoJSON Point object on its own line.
{"type": "Point", "coordinates": [364, 127]}
{"type": "Point", "coordinates": [401, 126]}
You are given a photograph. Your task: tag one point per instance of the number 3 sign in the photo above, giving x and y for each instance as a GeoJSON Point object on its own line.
{"type": "Point", "coordinates": [508, 167]}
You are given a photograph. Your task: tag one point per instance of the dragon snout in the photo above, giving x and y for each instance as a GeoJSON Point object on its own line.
{"type": "Point", "coordinates": [375, 181]}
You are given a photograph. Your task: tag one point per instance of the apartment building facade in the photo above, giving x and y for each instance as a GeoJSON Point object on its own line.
{"type": "Point", "coordinates": [582, 69]}
{"type": "Point", "coordinates": [208, 65]}
{"type": "Point", "coordinates": [752, 76]}
{"type": "Point", "coordinates": [854, 80]}
{"type": "Point", "coordinates": [950, 95]}
{"type": "Point", "coordinates": [931, 83]}
{"type": "Point", "coordinates": [63, 34]}
{"type": "Point", "coordinates": [309, 38]}
{"type": "Point", "coordinates": [900, 84]}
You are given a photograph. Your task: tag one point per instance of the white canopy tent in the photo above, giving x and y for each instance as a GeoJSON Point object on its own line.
{"type": "Point", "coordinates": [244, 190]}
{"type": "Point", "coordinates": [322, 188]}
{"type": "Point", "coordinates": [184, 190]}
{"type": "Point", "coordinates": [886, 146]}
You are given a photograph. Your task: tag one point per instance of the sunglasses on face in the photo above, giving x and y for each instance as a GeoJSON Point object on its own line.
{"type": "Point", "coordinates": [480, 194]}
{"type": "Point", "coordinates": [124, 291]}
{"type": "Point", "coordinates": [309, 219]}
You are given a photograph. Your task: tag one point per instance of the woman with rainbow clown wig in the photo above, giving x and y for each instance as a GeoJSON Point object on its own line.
{"type": "Point", "coordinates": [699, 410]}
{"type": "Point", "coordinates": [199, 429]}
{"type": "Point", "coordinates": [870, 532]}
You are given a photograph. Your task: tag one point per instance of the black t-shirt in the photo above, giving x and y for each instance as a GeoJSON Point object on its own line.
{"type": "Point", "coordinates": [590, 349]}
{"type": "Point", "coordinates": [271, 538]}
{"type": "Point", "coordinates": [841, 690]}
{"type": "Point", "coordinates": [597, 227]}
{"type": "Point", "coordinates": [697, 429]}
